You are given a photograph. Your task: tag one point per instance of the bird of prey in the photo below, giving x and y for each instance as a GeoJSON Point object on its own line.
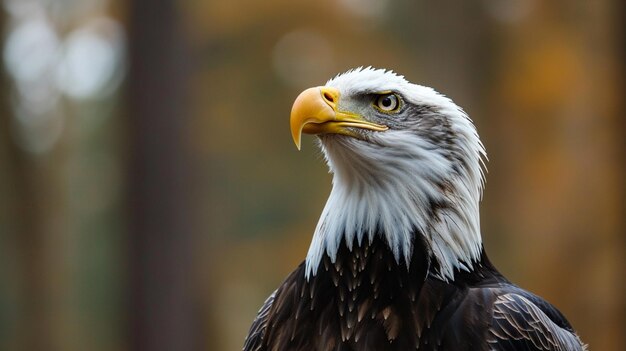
{"type": "Point", "coordinates": [397, 261]}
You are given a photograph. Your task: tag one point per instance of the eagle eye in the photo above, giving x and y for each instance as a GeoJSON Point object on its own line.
{"type": "Point", "coordinates": [387, 102]}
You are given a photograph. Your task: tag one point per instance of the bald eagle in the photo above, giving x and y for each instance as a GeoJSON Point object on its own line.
{"type": "Point", "coordinates": [397, 261]}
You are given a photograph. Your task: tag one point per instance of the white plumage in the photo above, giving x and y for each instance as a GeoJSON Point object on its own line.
{"type": "Point", "coordinates": [385, 184]}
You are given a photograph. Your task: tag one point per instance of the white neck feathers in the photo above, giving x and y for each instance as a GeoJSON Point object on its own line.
{"type": "Point", "coordinates": [399, 185]}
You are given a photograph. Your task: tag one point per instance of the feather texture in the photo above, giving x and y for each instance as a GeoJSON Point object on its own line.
{"type": "Point", "coordinates": [380, 305]}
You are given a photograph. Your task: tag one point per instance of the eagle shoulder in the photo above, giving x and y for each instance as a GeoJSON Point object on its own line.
{"type": "Point", "coordinates": [522, 321]}
{"type": "Point", "coordinates": [254, 340]}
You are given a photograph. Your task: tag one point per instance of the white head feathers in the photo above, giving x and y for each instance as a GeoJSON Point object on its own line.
{"type": "Point", "coordinates": [422, 176]}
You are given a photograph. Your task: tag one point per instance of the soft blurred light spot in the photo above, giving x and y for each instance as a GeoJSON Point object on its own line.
{"type": "Point", "coordinates": [90, 60]}
{"type": "Point", "coordinates": [370, 9]}
{"type": "Point", "coordinates": [508, 11]}
{"type": "Point", "coordinates": [303, 58]}
{"type": "Point", "coordinates": [31, 50]}
{"type": "Point", "coordinates": [87, 63]}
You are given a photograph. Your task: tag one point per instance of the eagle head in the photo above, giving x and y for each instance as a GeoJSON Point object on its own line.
{"type": "Point", "coordinates": [405, 160]}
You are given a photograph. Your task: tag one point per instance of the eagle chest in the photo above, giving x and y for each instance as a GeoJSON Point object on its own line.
{"type": "Point", "coordinates": [365, 300]}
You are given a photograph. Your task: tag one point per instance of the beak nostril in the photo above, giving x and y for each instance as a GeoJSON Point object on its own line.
{"type": "Point", "coordinates": [329, 97]}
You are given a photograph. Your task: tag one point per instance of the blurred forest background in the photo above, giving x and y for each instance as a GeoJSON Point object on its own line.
{"type": "Point", "coordinates": [151, 197]}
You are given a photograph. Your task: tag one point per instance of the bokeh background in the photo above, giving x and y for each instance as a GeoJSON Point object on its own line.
{"type": "Point", "coordinates": [151, 196]}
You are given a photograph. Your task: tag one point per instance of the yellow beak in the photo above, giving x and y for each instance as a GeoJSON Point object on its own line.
{"type": "Point", "coordinates": [315, 112]}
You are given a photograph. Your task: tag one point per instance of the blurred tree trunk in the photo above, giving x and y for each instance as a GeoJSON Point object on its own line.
{"type": "Point", "coordinates": [163, 311]}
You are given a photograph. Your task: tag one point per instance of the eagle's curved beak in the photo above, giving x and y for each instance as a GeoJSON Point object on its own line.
{"type": "Point", "coordinates": [315, 112]}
